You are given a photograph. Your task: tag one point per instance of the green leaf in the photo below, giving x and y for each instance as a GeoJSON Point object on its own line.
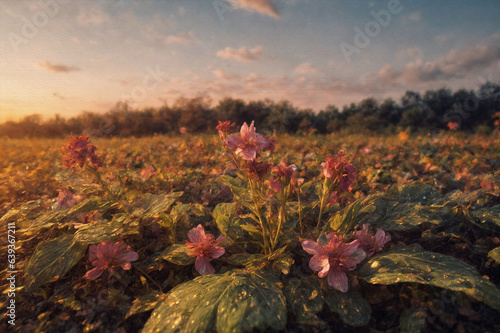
{"type": "Point", "coordinates": [495, 254]}
{"type": "Point", "coordinates": [412, 321]}
{"type": "Point", "coordinates": [284, 262]}
{"type": "Point", "coordinates": [347, 219]}
{"type": "Point", "coordinates": [489, 216]}
{"type": "Point", "coordinates": [304, 300]}
{"type": "Point", "coordinates": [246, 259]}
{"type": "Point", "coordinates": [48, 219]}
{"type": "Point", "coordinates": [177, 254]}
{"type": "Point", "coordinates": [52, 259]}
{"type": "Point", "coordinates": [229, 224]}
{"type": "Point", "coordinates": [413, 264]}
{"type": "Point", "coordinates": [405, 216]}
{"type": "Point", "coordinates": [240, 193]}
{"type": "Point", "coordinates": [150, 205]}
{"type": "Point", "coordinates": [417, 193]}
{"type": "Point", "coordinates": [233, 302]}
{"type": "Point", "coordinates": [144, 303]}
{"type": "Point", "coordinates": [351, 307]}
{"type": "Point", "coordinates": [120, 226]}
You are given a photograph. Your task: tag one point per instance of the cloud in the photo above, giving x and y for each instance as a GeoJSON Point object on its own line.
{"type": "Point", "coordinates": [91, 15]}
{"type": "Point", "coordinates": [219, 73]}
{"type": "Point", "coordinates": [456, 64]}
{"type": "Point", "coordinates": [58, 96]}
{"type": "Point", "coordinates": [265, 7]}
{"type": "Point", "coordinates": [183, 38]}
{"type": "Point", "coordinates": [305, 68]}
{"type": "Point", "coordinates": [415, 52]}
{"type": "Point", "coordinates": [242, 54]}
{"type": "Point", "coordinates": [56, 68]}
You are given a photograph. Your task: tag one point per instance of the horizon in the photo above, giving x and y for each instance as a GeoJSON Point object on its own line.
{"type": "Point", "coordinates": [61, 57]}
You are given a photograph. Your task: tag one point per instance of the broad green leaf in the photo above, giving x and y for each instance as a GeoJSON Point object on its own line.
{"type": "Point", "coordinates": [413, 264]}
{"type": "Point", "coordinates": [77, 182]}
{"type": "Point", "coordinates": [233, 302]}
{"type": "Point", "coordinates": [179, 211]}
{"type": "Point", "coordinates": [177, 254]}
{"type": "Point", "coordinates": [489, 216]}
{"type": "Point", "coordinates": [241, 194]}
{"type": "Point", "coordinates": [417, 193]}
{"type": "Point", "coordinates": [120, 226]}
{"type": "Point", "coordinates": [412, 321]}
{"type": "Point", "coordinates": [284, 262]}
{"type": "Point", "coordinates": [347, 219]}
{"type": "Point", "coordinates": [48, 219]}
{"type": "Point", "coordinates": [304, 300]}
{"type": "Point", "coordinates": [405, 216]}
{"type": "Point", "coordinates": [150, 205]}
{"type": "Point", "coordinates": [246, 259]}
{"type": "Point", "coordinates": [351, 307]}
{"type": "Point", "coordinates": [495, 254]}
{"type": "Point", "coordinates": [145, 303]}
{"type": "Point", "coordinates": [228, 223]}
{"type": "Point", "coordinates": [52, 259]}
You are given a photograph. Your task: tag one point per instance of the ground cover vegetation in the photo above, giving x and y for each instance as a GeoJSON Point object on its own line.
{"type": "Point", "coordinates": [249, 230]}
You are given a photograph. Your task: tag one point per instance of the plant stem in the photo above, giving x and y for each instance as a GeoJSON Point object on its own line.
{"type": "Point", "coordinates": [265, 229]}
{"type": "Point", "coordinates": [322, 202]}
{"type": "Point", "coordinates": [146, 275]}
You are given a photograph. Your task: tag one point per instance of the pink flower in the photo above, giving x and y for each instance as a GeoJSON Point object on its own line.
{"type": "Point", "coordinates": [453, 125]}
{"type": "Point", "coordinates": [66, 199]}
{"type": "Point", "coordinates": [248, 143]}
{"type": "Point", "coordinates": [372, 243]}
{"type": "Point", "coordinates": [78, 151]}
{"type": "Point", "coordinates": [275, 185]}
{"type": "Point", "coordinates": [203, 247]}
{"type": "Point", "coordinates": [109, 256]}
{"type": "Point", "coordinates": [183, 130]}
{"type": "Point", "coordinates": [339, 168]}
{"type": "Point", "coordinates": [223, 127]}
{"type": "Point", "coordinates": [285, 174]}
{"type": "Point", "coordinates": [333, 259]}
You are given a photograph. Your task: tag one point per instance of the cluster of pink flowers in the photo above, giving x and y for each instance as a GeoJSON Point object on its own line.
{"type": "Point", "coordinates": [78, 151]}
{"type": "Point", "coordinates": [339, 169]}
{"type": "Point", "coordinates": [372, 243]}
{"type": "Point", "coordinates": [109, 256]}
{"type": "Point", "coordinates": [248, 143]}
{"type": "Point", "coordinates": [284, 174]}
{"type": "Point", "coordinates": [204, 247]}
{"type": "Point", "coordinates": [336, 257]}
{"type": "Point", "coordinates": [453, 125]}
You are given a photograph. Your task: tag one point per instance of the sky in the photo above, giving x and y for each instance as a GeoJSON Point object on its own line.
{"type": "Point", "coordinates": [68, 56]}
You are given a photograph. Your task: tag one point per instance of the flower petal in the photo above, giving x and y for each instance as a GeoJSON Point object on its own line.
{"type": "Point", "coordinates": [202, 265]}
{"type": "Point", "coordinates": [196, 235]}
{"type": "Point", "coordinates": [130, 256]}
{"type": "Point", "coordinates": [216, 252]}
{"type": "Point", "coordinates": [311, 247]}
{"type": "Point", "coordinates": [321, 264]}
{"type": "Point", "coordinates": [94, 273]}
{"type": "Point", "coordinates": [338, 280]}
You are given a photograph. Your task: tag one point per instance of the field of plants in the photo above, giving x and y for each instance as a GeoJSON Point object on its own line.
{"type": "Point", "coordinates": [246, 231]}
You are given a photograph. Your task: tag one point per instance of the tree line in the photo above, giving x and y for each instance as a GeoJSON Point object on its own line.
{"type": "Point", "coordinates": [430, 111]}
